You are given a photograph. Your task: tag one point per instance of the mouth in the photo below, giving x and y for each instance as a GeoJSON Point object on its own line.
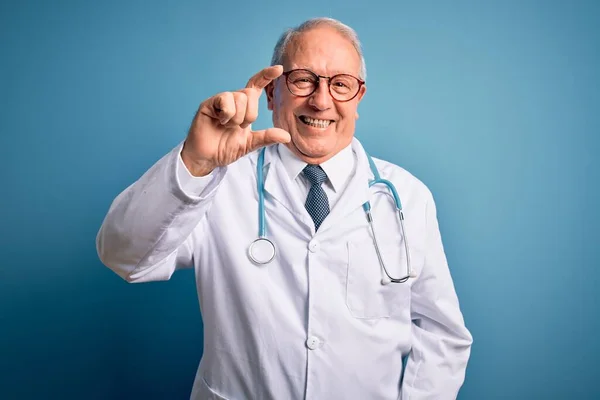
{"type": "Point", "coordinates": [315, 123]}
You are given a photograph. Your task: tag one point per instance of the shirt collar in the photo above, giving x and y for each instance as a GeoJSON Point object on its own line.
{"type": "Point", "coordinates": [338, 168]}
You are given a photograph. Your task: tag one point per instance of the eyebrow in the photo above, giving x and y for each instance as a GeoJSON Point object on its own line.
{"type": "Point", "coordinates": [335, 72]}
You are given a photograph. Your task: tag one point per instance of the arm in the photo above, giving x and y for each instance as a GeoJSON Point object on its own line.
{"type": "Point", "coordinates": [146, 234]}
{"type": "Point", "coordinates": [441, 346]}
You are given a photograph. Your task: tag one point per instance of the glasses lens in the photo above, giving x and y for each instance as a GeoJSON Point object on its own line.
{"type": "Point", "coordinates": [344, 87]}
{"type": "Point", "coordinates": [301, 83]}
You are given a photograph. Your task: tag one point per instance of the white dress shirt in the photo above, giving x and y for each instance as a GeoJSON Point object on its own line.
{"type": "Point", "coordinates": [316, 323]}
{"type": "Point", "coordinates": [338, 168]}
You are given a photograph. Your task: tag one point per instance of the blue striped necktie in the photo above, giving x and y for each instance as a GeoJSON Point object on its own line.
{"type": "Point", "coordinates": [317, 203]}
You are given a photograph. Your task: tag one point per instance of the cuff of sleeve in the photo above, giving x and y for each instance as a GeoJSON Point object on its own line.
{"type": "Point", "coordinates": [188, 182]}
{"type": "Point", "coordinates": [190, 188]}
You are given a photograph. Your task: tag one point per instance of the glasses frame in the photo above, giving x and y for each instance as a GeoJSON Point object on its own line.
{"type": "Point", "coordinates": [319, 77]}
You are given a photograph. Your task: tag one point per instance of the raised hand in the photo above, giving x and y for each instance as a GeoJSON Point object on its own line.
{"type": "Point", "coordinates": [221, 130]}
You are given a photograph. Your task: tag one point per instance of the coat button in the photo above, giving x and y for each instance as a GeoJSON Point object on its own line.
{"type": "Point", "coordinates": [313, 342]}
{"type": "Point", "coordinates": [314, 246]}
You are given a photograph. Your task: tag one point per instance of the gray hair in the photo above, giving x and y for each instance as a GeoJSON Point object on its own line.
{"type": "Point", "coordinates": [345, 30]}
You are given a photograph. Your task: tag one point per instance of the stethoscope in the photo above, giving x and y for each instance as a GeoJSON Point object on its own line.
{"type": "Point", "coordinates": [262, 250]}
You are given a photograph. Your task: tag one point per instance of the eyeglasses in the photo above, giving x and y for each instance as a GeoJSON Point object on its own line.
{"type": "Point", "coordinates": [303, 83]}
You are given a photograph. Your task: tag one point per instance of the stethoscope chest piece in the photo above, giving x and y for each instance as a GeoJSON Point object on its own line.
{"type": "Point", "coordinates": [261, 251]}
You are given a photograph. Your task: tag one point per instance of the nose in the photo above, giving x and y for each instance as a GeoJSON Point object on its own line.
{"type": "Point", "coordinates": [321, 99]}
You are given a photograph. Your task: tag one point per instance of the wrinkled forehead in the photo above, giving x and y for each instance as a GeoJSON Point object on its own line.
{"type": "Point", "coordinates": [324, 51]}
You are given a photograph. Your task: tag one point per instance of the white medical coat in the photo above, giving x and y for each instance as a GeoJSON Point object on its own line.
{"type": "Point", "coordinates": [315, 323]}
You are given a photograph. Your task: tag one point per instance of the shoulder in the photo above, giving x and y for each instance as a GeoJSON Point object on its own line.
{"type": "Point", "coordinates": [403, 179]}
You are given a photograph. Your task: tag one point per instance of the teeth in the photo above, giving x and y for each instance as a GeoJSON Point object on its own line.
{"type": "Point", "coordinates": [318, 123]}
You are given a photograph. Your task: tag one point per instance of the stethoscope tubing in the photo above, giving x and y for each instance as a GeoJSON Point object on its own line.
{"type": "Point", "coordinates": [262, 250]}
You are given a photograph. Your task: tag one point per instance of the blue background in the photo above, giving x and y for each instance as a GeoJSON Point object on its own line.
{"type": "Point", "coordinates": [494, 105]}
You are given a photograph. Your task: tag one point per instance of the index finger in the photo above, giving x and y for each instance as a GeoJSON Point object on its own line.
{"type": "Point", "coordinates": [264, 77]}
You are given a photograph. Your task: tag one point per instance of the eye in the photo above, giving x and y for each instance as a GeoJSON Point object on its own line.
{"type": "Point", "coordinates": [340, 84]}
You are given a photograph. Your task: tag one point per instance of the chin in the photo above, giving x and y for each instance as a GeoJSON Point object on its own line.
{"type": "Point", "coordinates": [314, 147]}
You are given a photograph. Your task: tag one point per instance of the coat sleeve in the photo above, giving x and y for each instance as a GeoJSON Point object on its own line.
{"type": "Point", "coordinates": [436, 366]}
{"type": "Point", "coordinates": [147, 233]}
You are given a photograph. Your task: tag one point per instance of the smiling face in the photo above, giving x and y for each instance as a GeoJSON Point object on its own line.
{"type": "Point", "coordinates": [319, 125]}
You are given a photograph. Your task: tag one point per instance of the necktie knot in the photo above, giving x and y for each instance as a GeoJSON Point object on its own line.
{"type": "Point", "coordinates": [315, 174]}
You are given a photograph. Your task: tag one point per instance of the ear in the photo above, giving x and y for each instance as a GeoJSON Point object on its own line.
{"type": "Point", "coordinates": [361, 93]}
{"type": "Point", "coordinates": [269, 91]}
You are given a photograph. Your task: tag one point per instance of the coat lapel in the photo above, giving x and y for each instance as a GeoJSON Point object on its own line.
{"type": "Point", "coordinates": [279, 187]}
{"type": "Point", "coordinates": [355, 194]}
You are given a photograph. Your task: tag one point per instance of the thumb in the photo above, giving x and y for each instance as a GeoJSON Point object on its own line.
{"type": "Point", "coordinates": [267, 137]}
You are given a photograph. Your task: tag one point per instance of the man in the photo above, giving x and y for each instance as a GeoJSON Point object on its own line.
{"type": "Point", "coordinates": [320, 320]}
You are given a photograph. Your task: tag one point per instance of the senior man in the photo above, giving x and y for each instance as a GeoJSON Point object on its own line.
{"type": "Point", "coordinates": [338, 289]}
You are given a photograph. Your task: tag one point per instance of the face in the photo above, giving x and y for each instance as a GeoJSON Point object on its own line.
{"type": "Point", "coordinates": [319, 125]}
